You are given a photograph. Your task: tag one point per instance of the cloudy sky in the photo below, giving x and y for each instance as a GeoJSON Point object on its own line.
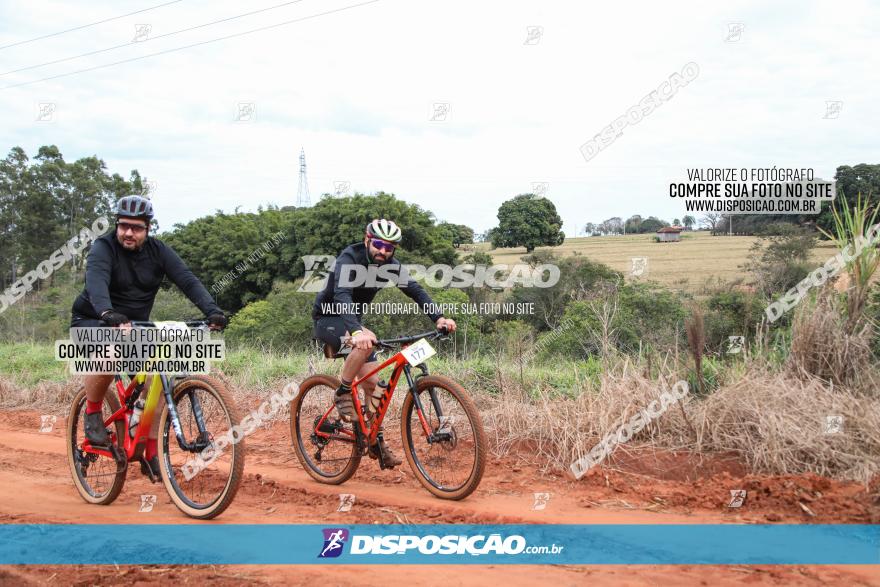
{"type": "Point", "coordinates": [356, 84]}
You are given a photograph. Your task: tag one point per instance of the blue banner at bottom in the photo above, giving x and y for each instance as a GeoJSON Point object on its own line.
{"type": "Point", "coordinates": [193, 544]}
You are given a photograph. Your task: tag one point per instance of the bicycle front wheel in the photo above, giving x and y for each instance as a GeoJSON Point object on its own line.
{"type": "Point", "coordinates": [450, 458]}
{"type": "Point", "coordinates": [201, 484]}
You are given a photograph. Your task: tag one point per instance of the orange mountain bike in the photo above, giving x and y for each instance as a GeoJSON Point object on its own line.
{"type": "Point", "coordinates": [442, 433]}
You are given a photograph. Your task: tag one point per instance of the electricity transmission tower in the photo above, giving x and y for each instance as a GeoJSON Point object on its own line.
{"type": "Point", "coordinates": [302, 193]}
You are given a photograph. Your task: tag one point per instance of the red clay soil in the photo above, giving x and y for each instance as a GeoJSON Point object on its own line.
{"type": "Point", "coordinates": [644, 487]}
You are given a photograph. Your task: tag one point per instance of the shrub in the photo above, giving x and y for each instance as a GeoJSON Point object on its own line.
{"type": "Point", "coordinates": [282, 320]}
{"type": "Point", "coordinates": [577, 280]}
{"type": "Point", "coordinates": [779, 262]}
{"type": "Point", "coordinates": [624, 318]}
{"type": "Point", "coordinates": [731, 313]}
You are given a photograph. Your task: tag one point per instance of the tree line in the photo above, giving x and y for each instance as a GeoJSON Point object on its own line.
{"type": "Point", "coordinates": [46, 200]}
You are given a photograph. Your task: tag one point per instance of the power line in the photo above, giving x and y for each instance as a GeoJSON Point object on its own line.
{"type": "Point", "coordinates": [129, 44]}
{"type": "Point", "coordinates": [256, 30]}
{"type": "Point", "coordinates": [85, 26]}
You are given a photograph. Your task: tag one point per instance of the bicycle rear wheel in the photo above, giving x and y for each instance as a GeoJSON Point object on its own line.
{"type": "Point", "coordinates": [451, 464]}
{"type": "Point", "coordinates": [97, 478]}
{"type": "Point", "coordinates": [201, 489]}
{"type": "Point", "coordinates": [330, 456]}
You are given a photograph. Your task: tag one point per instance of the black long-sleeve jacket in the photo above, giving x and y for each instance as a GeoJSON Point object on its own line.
{"type": "Point", "coordinates": [127, 281]}
{"type": "Point", "coordinates": [333, 293]}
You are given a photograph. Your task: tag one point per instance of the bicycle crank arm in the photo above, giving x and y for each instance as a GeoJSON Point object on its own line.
{"type": "Point", "coordinates": [120, 457]}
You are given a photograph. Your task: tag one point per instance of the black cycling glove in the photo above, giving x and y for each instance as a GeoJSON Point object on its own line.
{"type": "Point", "coordinates": [113, 318]}
{"type": "Point", "coordinates": [218, 320]}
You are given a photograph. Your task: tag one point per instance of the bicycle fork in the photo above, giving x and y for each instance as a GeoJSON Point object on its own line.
{"type": "Point", "coordinates": [432, 436]}
{"type": "Point", "coordinates": [203, 439]}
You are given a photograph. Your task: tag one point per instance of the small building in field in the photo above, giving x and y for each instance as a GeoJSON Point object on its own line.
{"type": "Point", "coordinates": [669, 234]}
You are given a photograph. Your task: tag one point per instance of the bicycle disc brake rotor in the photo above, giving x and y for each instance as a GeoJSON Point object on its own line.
{"type": "Point", "coordinates": [450, 443]}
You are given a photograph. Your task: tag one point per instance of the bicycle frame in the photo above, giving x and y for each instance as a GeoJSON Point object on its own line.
{"type": "Point", "coordinates": [401, 366]}
{"type": "Point", "coordinates": [160, 384]}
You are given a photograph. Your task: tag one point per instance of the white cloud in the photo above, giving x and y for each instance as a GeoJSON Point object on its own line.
{"type": "Point", "coordinates": [356, 90]}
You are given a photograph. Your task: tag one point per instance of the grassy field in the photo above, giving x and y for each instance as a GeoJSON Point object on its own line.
{"type": "Point", "coordinates": [29, 364]}
{"type": "Point", "coordinates": [685, 265]}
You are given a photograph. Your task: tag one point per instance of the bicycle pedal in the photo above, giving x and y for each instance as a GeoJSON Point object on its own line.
{"type": "Point", "coordinates": [147, 470]}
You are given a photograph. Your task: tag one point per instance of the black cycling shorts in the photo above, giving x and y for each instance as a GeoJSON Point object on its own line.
{"type": "Point", "coordinates": [330, 329]}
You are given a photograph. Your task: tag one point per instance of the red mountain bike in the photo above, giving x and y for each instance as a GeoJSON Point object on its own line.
{"type": "Point", "coordinates": [197, 409]}
{"type": "Point", "coordinates": [442, 433]}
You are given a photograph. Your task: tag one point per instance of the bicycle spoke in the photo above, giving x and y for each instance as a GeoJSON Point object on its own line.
{"type": "Point", "coordinates": [448, 463]}
{"type": "Point", "coordinates": [208, 485]}
{"type": "Point", "coordinates": [97, 473]}
{"type": "Point", "coordinates": [327, 455]}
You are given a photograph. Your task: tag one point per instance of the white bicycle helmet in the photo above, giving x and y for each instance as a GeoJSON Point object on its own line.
{"type": "Point", "coordinates": [383, 229]}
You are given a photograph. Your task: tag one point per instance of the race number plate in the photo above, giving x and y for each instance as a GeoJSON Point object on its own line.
{"type": "Point", "coordinates": [418, 352]}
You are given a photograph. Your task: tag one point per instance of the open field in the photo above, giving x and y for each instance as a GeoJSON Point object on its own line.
{"type": "Point", "coordinates": [685, 265]}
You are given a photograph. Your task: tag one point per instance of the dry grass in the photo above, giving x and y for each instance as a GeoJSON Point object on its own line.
{"type": "Point", "coordinates": [696, 336]}
{"type": "Point", "coordinates": [778, 425]}
{"type": "Point", "coordinates": [821, 345]}
{"type": "Point", "coordinates": [685, 265]}
{"type": "Point", "coordinates": [49, 397]}
{"type": "Point", "coordinates": [773, 421]}
{"type": "Point", "coordinates": [559, 431]}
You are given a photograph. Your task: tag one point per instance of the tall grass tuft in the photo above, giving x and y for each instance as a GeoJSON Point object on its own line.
{"type": "Point", "coordinates": [853, 228]}
{"type": "Point", "coordinates": [696, 335]}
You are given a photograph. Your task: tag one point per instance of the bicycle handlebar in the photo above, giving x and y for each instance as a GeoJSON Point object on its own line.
{"type": "Point", "coordinates": [194, 323]}
{"type": "Point", "coordinates": [391, 343]}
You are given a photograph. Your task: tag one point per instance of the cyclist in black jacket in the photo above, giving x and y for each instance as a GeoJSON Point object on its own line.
{"type": "Point", "coordinates": [336, 312]}
{"type": "Point", "coordinates": [123, 273]}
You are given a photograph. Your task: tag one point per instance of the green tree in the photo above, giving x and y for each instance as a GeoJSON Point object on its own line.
{"type": "Point", "coordinates": [652, 224]}
{"type": "Point", "coordinates": [457, 234]}
{"type": "Point", "coordinates": [530, 221]}
{"type": "Point", "coordinates": [578, 276]}
{"type": "Point", "coordinates": [777, 263]}
{"type": "Point", "coordinates": [612, 315]}
{"type": "Point", "coordinates": [731, 313]}
{"type": "Point", "coordinates": [239, 256]}
{"type": "Point", "coordinates": [633, 224]}
{"type": "Point", "coordinates": [689, 222]}
{"type": "Point", "coordinates": [282, 320]}
{"type": "Point", "coordinates": [334, 223]}
{"type": "Point", "coordinates": [46, 201]}
{"type": "Point", "coordinates": [861, 179]}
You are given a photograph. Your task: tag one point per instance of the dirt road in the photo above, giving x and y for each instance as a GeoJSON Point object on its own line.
{"type": "Point", "coordinates": [35, 487]}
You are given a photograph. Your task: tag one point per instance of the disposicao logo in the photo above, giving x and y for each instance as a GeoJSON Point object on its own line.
{"type": "Point", "coordinates": [334, 541]}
